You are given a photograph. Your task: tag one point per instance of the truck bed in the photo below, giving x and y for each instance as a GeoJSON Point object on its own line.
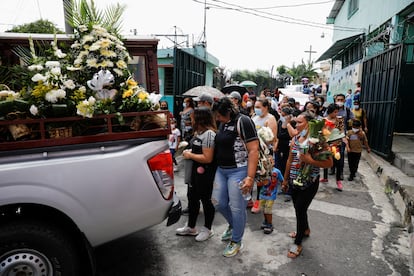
{"type": "Point", "coordinates": [56, 134]}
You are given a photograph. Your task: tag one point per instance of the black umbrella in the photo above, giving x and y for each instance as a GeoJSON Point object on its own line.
{"type": "Point", "coordinates": [234, 87]}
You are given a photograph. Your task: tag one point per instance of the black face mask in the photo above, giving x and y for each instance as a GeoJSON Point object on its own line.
{"type": "Point", "coordinates": [164, 108]}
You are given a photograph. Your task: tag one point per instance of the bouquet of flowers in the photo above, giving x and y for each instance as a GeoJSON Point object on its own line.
{"type": "Point", "coordinates": [316, 144]}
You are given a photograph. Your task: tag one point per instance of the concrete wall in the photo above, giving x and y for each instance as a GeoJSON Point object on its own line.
{"type": "Point", "coordinates": [370, 15]}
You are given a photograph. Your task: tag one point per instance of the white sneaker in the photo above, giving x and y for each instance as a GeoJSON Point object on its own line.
{"type": "Point", "coordinates": [186, 231]}
{"type": "Point", "coordinates": [175, 168]}
{"type": "Point", "coordinates": [204, 234]}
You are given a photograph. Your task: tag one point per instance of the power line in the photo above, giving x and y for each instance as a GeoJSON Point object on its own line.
{"type": "Point", "coordinates": [294, 5]}
{"type": "Point", "coordinates": [271, 16]}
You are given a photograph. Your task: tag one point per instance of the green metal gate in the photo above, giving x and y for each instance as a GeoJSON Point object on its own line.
{"type": "Point", "coordinates": [379, 97]}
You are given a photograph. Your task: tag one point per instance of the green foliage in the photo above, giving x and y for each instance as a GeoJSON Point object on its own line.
{"type": "Point", "coordinates": [38, 27]}
{"type": "Point", "coordinates": [84, 12]}
{"type": "Point", "coordinates": [301, 71]}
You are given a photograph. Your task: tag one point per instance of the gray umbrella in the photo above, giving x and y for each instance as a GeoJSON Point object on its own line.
{"type": "Point", "coordinates": [198, 90]}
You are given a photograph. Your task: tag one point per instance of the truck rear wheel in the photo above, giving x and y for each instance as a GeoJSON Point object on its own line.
{"type": "Point", "coordinates": [33, 248]}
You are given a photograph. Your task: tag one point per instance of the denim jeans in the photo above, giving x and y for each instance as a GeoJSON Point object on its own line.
{"type": "Point", "coordinates": [228, 200]}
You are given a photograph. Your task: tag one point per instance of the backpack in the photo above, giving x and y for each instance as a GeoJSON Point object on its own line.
{"type": "Point", "coordinates": [265, 162]}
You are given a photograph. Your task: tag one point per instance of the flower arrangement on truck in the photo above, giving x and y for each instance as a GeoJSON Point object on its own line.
{"type": "Point", "coordinates": [83, 152]}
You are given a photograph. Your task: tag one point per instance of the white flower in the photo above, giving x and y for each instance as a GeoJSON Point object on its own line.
{"type": "Point", "coordinates": [34, 110]}
{"type": "Point", "coordinates": [87, 38]}
{"type": "Point", "coordinates": [55, 71]}
{"type": "Point", "coordinates": [86, 107]}
{"type": "Point", "coordinates": [82, 28]}
{"type": "Point", "coordinates": [54, 95]}
{"type": "Point", "coordinates": [266, 134]}
{"type": "Point", "coordinates": [39, 77]}
{"type": "Point", "coordinates": [60, 54]}
{"type": "Point", "coordinates": [154, 98]}
{"type": "Point", "coordinates": [35, 67]}
{"type": "Point", "coordinates": [52, 64]}
{"type": "Point", "coordinates": [69, 84]}
{"type": "Point", "coordinates": [118, 72]}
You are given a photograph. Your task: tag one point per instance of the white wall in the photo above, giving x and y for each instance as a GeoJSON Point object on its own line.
{"type": "Point", "coordinates": [370, 15]}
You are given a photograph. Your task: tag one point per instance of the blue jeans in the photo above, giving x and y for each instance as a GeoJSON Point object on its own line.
{"type": "Point", "coordinates": [228, 200]}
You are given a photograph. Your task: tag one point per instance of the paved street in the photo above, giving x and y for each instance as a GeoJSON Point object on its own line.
{"type": "Point", "coordinates": [354, 232]}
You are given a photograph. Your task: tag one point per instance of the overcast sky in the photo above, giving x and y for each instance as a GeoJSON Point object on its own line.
{"type": "Point", "coordinates": [242, 34]}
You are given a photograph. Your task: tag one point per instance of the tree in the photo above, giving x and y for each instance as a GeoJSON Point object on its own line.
{"type": "Point", "coordinates": [38, 27]}
{"type": "Point", "coordinates": [301, 71]}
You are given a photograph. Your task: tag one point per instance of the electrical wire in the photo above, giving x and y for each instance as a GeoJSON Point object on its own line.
{"type": "Point", "coordinates": [271, 16]}
{"type": "Point", "coordinates": [293, 6]}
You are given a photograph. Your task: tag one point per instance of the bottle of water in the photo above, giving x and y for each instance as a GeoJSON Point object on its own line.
{"type": "Point", "coordinates": [246, 196]}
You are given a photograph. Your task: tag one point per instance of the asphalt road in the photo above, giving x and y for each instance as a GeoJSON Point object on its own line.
{"type": "Point", "coordinates": [354, 232]}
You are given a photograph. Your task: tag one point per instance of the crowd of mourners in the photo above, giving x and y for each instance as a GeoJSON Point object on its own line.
{"type": "Point", "coordinates": [226, 140]}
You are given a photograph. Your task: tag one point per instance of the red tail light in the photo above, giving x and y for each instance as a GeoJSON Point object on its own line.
{"type": "Point", "coordinates": [161, 166]}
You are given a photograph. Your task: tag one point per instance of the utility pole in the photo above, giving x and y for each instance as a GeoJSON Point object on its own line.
{"type": "Point", "coordinates": [310, 53]}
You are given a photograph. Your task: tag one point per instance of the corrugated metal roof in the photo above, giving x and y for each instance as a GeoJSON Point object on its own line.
{"type": "Point", "coordinates": [340, 45]}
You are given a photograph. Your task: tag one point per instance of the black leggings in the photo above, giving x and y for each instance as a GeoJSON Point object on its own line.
{"type": "Point", "coordinates": [301, 201]}
{"type": "Point", "coordinates": [200, 189]}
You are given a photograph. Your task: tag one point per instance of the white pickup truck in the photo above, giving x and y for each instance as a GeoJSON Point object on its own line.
{"type": "Point", "coordinates": [58, 202]}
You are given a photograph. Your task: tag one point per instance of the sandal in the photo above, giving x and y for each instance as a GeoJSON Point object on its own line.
{"type": "Point", "coordinates": [294, 251]}
{"type": "Point", "coordinates": [306, 234]}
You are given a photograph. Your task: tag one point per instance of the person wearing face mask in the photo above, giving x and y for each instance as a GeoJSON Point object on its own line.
{"type": "Point", "coordinates": [164, 107]}
{"type": "Point", "coordinates": [357, 139]}
{"type": "Point", "coordinates": [261, 119]}
{"type": "Point", "coordinates": [173, 141]}
{"type": "Point", "coordinates": [348, 116]}
{"type": "Point", "coordinates": [186, 127]}
{"type": "Point", "coordinates": [361, 115]}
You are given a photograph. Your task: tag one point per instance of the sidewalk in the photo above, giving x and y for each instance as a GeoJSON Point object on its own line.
{"type": "Point", "coordinates": [398, 179]}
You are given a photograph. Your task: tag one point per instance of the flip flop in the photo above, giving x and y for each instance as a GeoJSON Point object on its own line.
{"type": "Point", "coordinates": [294, 251]}
{"type": "Point", "coordinates": [306, 235]}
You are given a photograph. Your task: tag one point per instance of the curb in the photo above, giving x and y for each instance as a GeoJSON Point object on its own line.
{"type": "Point", "coordinates": [399, 188]}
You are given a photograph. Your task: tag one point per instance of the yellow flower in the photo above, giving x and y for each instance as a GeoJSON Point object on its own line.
{"type": "Point", "coordinates": [121, 64]}
{"type": "Point", "coordinates": [128, 93]}
{"type": "Point", "coordinates": [142, 95]}
{"type": "Point", "coordinates": [131, 82]}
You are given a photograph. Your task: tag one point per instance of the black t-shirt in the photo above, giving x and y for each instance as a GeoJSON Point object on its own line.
{"type": "Point", "coordinates": [230, 150]}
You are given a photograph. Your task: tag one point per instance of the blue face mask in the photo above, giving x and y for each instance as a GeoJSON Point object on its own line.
{"type": "Point", "coordinates": [303, 133]}
{"type": "Point", "coordinates": [258, 112]}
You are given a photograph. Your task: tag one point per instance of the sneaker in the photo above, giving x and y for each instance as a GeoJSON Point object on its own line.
{"type": "Point", "coordinates": [256, 207]}
{"type": "Point", "coordinates": [175, 168]}
{"type": "Point", "coordinates": [339, 185]}
{"type": "Point", "coordinates": [226, 236]}
{"type": "Point", "coordinates": [204, 234]}
{"type": "Point", "coordinates": [186, 231]}
{"type": "Point", "coordinates": [323, 180]}
{"type": "Point", "coordinates": [268, 229]}
{"type": "Point", "coordinates": [232, 249]}
{"type": "Point", "coordinates": [264, 224]}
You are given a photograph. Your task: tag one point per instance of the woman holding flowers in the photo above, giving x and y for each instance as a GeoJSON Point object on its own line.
{"type": "Point", "coordinates": [298, 160]}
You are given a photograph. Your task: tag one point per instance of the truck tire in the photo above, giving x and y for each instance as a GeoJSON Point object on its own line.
{"type": "Point", "coordinates": [35, 248]}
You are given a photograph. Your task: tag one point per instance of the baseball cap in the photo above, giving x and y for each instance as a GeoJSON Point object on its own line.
{"type": "Point", "coordinates": [204, 98]}
{"type": "Point", "coordinates": [235, 95]}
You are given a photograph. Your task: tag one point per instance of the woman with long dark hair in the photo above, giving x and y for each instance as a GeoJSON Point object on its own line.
{"type": "Point", "coordinates": [236, 154]}
{"type": "Point", "coordinates": [302, 197]}
{"type": "Point", "coordinates": [202, 175]}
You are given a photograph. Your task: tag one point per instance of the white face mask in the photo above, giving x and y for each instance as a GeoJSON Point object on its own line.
{"type": "Point", "coordinates": [184, 105]}
{"type": "Point", "coordinates": [355, 129]}
{"type": "Point", "coordinates": [356, 106]}
{"type": "Point", "coordinates": [172, 126]}
{"type": "Point", "coordinates": [249, 104]}
{"type": "Point", "coordinates": [340, 104]}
